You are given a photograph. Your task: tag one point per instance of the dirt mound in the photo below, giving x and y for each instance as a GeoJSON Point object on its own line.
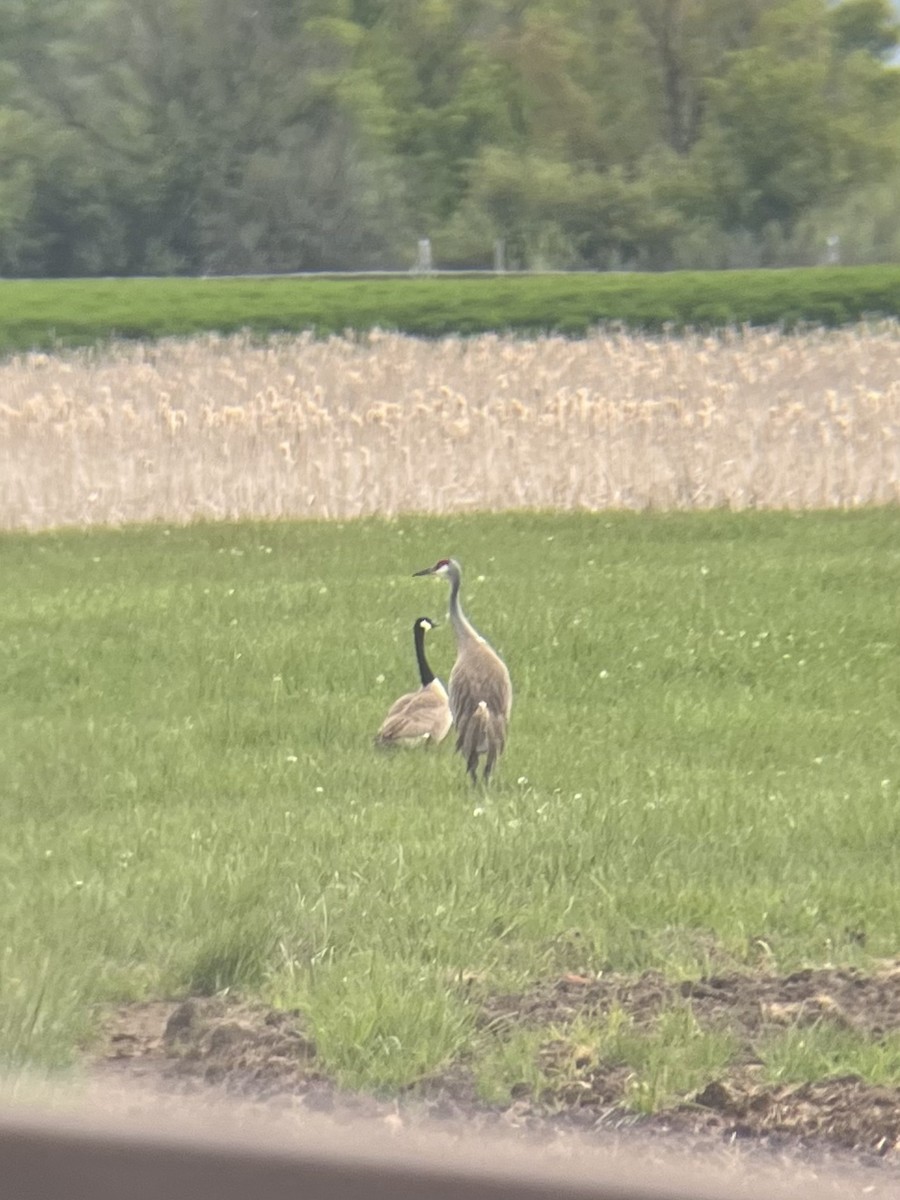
{"type": "Point", "coordinates": [236, 1048]}
{"type": "Point", "coordinates": [253, 1052]}
{"type": "Point", "coordinates": [840, 1112]}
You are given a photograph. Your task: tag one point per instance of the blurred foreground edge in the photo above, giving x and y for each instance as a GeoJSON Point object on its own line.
{"type": "Point", "coordinates": [46, 1153]}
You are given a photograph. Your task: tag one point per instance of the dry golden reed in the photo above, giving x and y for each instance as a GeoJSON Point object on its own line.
{"type": "Point", "coordinates": [220, 427]}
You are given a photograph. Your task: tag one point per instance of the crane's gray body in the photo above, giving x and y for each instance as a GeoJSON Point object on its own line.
{"type": "Point", "coordinates": [480, 689]}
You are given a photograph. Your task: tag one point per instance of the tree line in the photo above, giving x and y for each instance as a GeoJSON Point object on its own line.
{"type": "Point", "coordinates": [231, 136]}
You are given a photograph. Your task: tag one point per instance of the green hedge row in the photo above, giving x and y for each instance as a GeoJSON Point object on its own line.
{"type": "Point", "coordinates": [47, 313]}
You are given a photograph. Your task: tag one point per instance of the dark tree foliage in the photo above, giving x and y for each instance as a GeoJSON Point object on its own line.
{"type": "Point", "coordinates": [216, 136]}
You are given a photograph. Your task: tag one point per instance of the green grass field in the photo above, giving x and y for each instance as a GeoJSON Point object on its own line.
{"type": "Point", "coordinates": [47, 313]}
{"type": "Point", "coordinates": [703, 769]}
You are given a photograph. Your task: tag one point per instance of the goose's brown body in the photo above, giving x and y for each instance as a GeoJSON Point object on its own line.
{"type": "Point", "coordinates": [423, 715]}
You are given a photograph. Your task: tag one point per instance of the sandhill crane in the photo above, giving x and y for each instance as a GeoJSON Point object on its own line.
{"type": "Point", "coordinates": [422, 716]}
{"type": "Point", "coordinates": [480, 687]}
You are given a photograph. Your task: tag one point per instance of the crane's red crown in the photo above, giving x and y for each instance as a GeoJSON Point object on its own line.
{"type": "Point", "coordinates": [441, 566]}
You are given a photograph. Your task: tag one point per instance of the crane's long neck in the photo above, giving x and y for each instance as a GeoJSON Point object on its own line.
{"type": "Point", "coordinates": [425, 672]}
{"type": "Point", "coordinates": [461, 626]}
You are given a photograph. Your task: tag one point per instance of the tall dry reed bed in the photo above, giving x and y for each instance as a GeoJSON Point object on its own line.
{"type": "Point", "coordinates": [225, 427]}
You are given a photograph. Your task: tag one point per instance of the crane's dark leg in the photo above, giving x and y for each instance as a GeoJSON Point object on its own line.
{"type": "Point", "coordinates": [489, 763]}
{"type": "Point", "coordinates": [472, 766]}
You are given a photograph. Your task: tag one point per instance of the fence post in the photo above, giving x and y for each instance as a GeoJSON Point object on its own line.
{"type": "Point", "coordinates": [423, 262]}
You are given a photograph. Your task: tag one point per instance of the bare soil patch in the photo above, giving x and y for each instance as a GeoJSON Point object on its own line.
{"type": "Point", "coordinates": [231, 1048]}
{"type": "Point", "coordinates": [743, 1003]}
{"type": "Point", "coordinates": [845, 1112]}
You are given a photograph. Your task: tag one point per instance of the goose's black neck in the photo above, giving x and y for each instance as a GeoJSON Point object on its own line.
{"type": "Point", "coordinates": [425, 672]}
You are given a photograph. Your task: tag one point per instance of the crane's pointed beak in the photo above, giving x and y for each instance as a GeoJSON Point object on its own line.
{"type": "Point", "coordinates": [427, 571]}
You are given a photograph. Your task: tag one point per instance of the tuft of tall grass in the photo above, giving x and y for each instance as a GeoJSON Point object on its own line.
{"type": "Point", "coordinates": [656, 1065]}
{"type": "Point", "coordinates": [825, 1050]}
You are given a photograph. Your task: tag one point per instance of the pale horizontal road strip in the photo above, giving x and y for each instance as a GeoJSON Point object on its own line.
{"type": "Point", "coordinates": [95, 1155]}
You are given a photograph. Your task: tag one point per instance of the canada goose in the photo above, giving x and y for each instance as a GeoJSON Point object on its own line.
{"type": "Point", "coordinates": [480, 687]}
{"type": "Point", "coordinates": [422, 716]}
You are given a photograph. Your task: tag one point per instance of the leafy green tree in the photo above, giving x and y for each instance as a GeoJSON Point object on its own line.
{"type": "Point", "coordinates": [792, 123]}
{"type": "Point", "coordinates": [686, 43]}
{"type": "Point", "coordinates": [213, 138]}
{"type": "Point", "coordinates": [16, 186]}
{"type": "Point", "coordinates": [866, 25]}
{"type": "Point", "coordinates": [212, 135]}
{"type": "Point", "coordinates": [551, 214]}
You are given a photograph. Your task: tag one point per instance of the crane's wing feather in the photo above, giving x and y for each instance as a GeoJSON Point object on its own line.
{"type": "Point", "coordinates": [480, 679]}
{"type": "Point", "coordinates": [481, 676]}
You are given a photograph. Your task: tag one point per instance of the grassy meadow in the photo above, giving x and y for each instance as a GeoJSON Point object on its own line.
{"type": "Point", "coordinates": [702, 773]}
{"type": "Point", "coordinates": [50, 313]}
